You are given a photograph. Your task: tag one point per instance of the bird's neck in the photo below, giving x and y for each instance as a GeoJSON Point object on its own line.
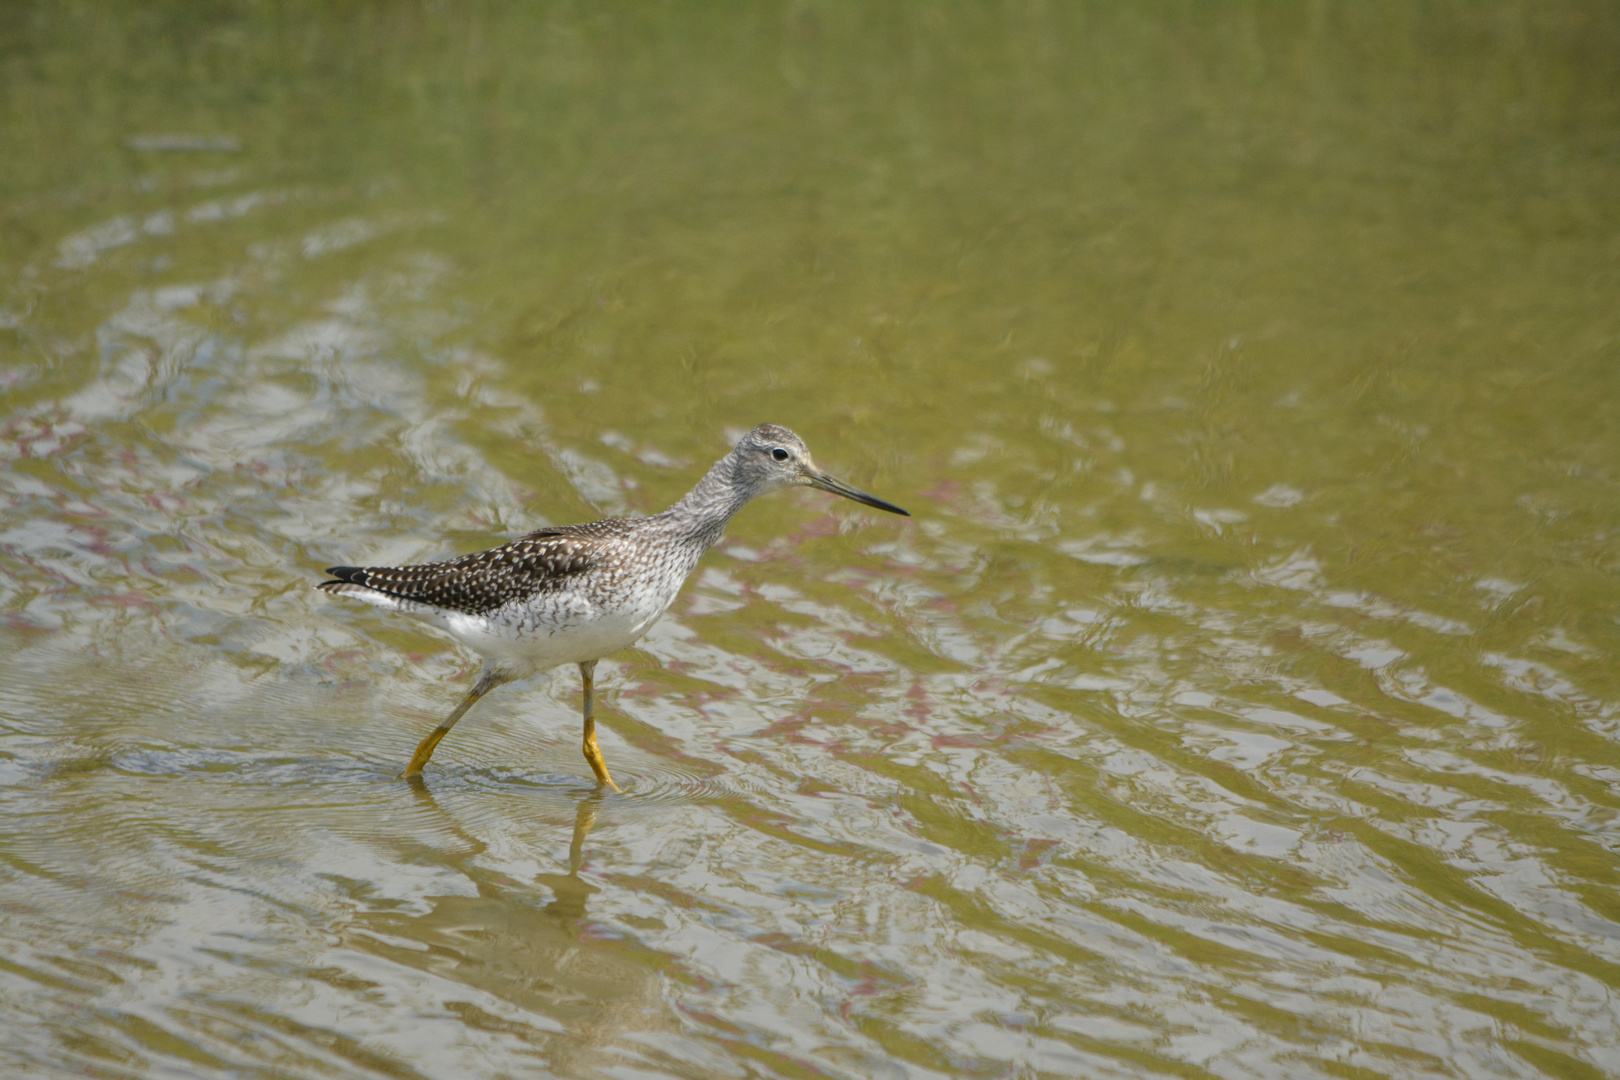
{"type": "Point", "coordinates": [701, 516]}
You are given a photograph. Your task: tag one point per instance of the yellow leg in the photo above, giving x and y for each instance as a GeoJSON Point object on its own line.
{"type": "Point", "coordinates": [593, 753]}
{"type": "Point", "coordinates": [424, 750]}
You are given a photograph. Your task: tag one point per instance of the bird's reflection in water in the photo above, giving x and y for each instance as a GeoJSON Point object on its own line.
{"type": "Point", "coordinates": [571, 893]}
{"type": "Point", "coordinates": [546, 958]}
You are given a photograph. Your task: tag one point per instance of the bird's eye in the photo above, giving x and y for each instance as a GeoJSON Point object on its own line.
{"type": "Point", "coordinates": [779, 454]}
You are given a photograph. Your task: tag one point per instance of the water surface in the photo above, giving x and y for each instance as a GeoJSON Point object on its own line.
{"type": "Point", "coordinates": [1240, 700]}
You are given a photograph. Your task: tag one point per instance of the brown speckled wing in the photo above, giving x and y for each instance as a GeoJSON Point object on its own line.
{"type": "Point", "coordinates": [485, 581]}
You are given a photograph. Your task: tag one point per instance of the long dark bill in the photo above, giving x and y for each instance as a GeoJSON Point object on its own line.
{"type": "Point", "coordinates": [838, 487]}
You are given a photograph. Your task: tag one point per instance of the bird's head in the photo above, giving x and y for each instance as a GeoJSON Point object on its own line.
{"type": "Point", "coordinates": [771, 457]}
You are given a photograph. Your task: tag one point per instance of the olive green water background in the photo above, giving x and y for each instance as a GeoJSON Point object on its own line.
{"type": "Point", "coordinates": [1240, 700]}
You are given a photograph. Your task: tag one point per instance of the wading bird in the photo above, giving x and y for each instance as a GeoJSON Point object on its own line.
{"type": "Point", "coordinates": [576, 593]}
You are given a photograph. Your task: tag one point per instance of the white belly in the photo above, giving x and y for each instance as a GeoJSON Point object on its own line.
{"type": "Point", "coordinates": [522, 648]}
{"type": "Point", "coordinates": [521, 640]}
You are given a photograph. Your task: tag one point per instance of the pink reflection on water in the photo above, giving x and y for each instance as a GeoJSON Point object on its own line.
{"type": "Point", "coordinates": [128, 598]}
{"type": "Point", "coordinates": [947, 492]}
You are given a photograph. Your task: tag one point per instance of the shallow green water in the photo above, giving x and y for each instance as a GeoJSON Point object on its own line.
{"type": "Point", "coordinates": [1240, 701]}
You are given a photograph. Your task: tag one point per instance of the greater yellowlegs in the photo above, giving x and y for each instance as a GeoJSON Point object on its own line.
{"type": "Point", "coordinates": [575, 593]}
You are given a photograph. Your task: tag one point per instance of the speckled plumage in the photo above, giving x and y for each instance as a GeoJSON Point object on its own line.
{"type": "Point", "coordinates": [556, 596]}
{"type": "Point", "coordinates": [576, 593]}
